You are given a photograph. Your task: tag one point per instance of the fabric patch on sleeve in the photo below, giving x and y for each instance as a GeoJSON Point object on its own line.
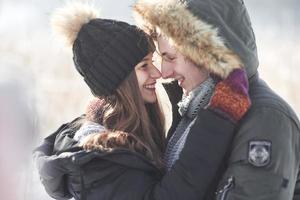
{"type": "Point", "coordinates": [259, 153]}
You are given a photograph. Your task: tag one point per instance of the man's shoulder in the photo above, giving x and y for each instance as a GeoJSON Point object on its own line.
{"type": "Point", "coordinates": [263, 160]}
{"type": "Point", "coordinates": [270, 125]}
{"type": "Point", "coordinates": [263, 98]}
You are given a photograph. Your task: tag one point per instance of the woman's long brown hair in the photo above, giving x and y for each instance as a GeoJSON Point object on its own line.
{"type": "Point", "coordinates": [131, 123]}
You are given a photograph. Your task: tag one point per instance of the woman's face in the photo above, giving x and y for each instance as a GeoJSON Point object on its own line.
{"type": "Point", "coordinates": [147, 74]}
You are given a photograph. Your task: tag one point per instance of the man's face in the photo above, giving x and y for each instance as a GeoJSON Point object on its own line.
{"type": "Point", "coordinates": [174, 65]}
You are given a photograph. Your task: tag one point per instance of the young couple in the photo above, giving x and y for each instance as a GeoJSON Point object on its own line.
{"type": "Point", "coordinates": [225, 142]}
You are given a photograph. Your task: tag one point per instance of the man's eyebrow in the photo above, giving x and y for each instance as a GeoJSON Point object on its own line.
{"type": "Point", "coordinates": [165, 53]}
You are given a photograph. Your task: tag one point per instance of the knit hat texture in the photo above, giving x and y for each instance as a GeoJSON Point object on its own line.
{"type": "Point", "coordinates": [105, 51]}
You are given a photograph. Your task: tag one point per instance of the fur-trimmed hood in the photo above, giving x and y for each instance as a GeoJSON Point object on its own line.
{"type": "Point", "coordinates": [216, 34]}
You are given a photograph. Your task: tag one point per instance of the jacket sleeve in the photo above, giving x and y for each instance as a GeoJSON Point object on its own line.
{"type": "Point", "coordinates": [264, 161]}
{"type": "Point", "coordinates": [50, 166]}
{"type": "Point", "coordinates": [297, 188]}
{"type": "Point", "coordinates": [199, 160]}
{"type": "Point", "coordinates": [52, 170]}
{"type": "Point", "coordinates": [174, 92]}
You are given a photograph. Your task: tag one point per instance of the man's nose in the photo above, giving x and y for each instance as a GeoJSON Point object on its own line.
{"type": "Point", "coordinates": [166, 70]}
{"type": "Point", "coordinates": [155, 73]}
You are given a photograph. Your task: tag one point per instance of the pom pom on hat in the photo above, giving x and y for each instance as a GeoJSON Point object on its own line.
{"type": "Point", "coordinates": [67, 21]}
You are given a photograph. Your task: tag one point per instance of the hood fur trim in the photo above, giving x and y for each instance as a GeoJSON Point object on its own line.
{"type": "Point", "coordinates": [194, 38]}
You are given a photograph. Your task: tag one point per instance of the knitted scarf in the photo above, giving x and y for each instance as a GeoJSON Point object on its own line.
{"type": "Point", "coordinates": [188, 109]}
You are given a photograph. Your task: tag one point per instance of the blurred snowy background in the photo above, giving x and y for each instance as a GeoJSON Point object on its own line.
{"type": "Point", "coordinates": [40, 89]}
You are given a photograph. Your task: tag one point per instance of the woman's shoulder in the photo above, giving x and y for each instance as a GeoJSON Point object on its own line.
{"type": "Point", "coordinates": [64, 136]}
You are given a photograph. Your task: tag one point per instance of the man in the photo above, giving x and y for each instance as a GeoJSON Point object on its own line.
{"type": "Point", "coordinates": [263, 162]}
{"type": "Point", "coordinates": [67, 170]}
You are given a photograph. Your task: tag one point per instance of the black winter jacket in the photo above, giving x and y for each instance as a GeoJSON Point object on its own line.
{"type": "Point", "coordinates": [264, 159]}
{"type": "Point", "coordinates": [66, 170]}
{"type": "Point", "coordinates": [271, 120]}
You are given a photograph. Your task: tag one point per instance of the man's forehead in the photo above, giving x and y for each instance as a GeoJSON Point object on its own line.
{"type": "Point", "coordinates": [165, 45]}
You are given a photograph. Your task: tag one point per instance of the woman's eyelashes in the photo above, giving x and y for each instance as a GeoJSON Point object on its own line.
{"type": "Point", "coordinates": [143, 65]}
{"type": "Point", "coordinates": [146, 64]}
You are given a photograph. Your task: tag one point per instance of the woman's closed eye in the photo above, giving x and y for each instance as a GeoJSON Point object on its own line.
{"type": "Point", "coordinates": [144, 66]}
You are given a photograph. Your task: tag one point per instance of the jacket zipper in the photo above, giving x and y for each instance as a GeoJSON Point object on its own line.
{"type": "Point", "coordinates": [226, 188]}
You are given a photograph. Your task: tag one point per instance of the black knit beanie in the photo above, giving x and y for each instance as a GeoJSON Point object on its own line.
{"type": "Point", "coordinates": [106, 52]}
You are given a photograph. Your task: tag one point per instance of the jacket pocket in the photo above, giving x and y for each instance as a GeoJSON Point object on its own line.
{"type": "Point", "coordinates": [228, 185]}
{"type": "Point", "coordinates": [248, 183]}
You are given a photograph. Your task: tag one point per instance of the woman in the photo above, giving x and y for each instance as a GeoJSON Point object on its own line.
{"type": "Point", "coordinates": [124, 83]}
{"type": "Point", "coordinates": [124, 157]}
